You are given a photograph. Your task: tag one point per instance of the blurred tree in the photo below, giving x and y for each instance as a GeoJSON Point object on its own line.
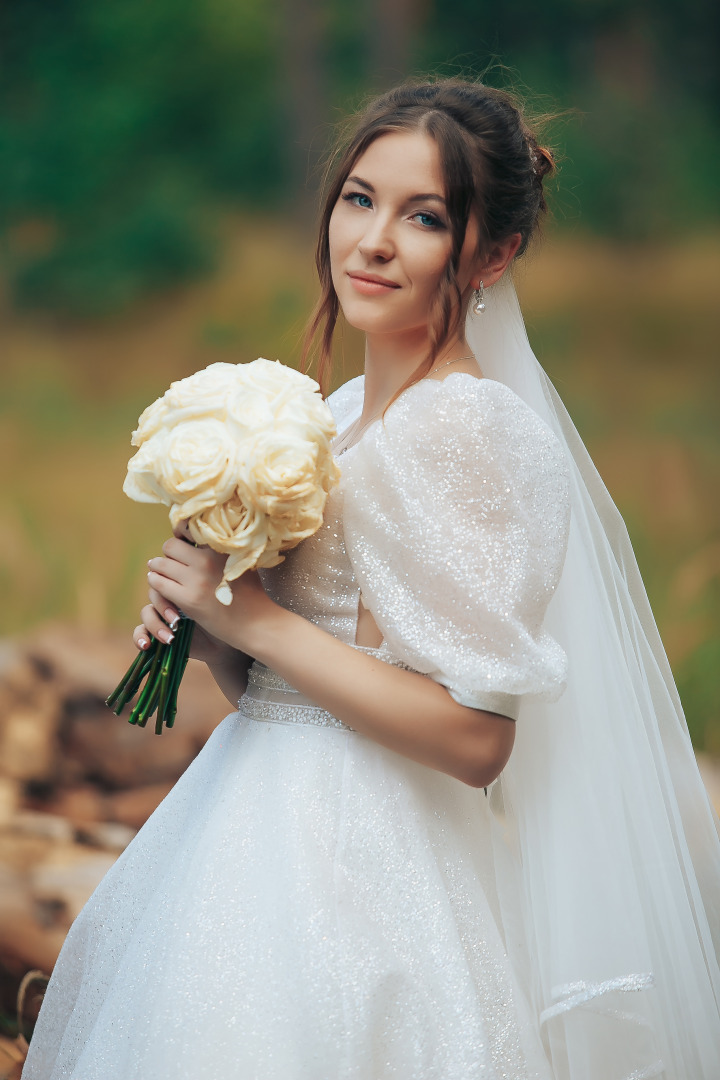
{"type": "Point", "coordinates": [124, 125]}
{"type": "Point", "coordinates": [304, 80]}
{"type": "Point", "coordinates": [117, 121]}
{"type": "Point", "coordinates": [393, 29]}
{"type": "Point", "coordinates": [641, 153]}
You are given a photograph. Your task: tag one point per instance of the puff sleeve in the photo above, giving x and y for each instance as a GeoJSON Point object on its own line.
{"type": "Point", "coordinates": [456, 517]}
{"type": "Point", "coordinates": [347, 401]}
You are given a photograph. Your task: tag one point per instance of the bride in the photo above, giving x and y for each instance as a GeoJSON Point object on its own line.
{"type": "Point", "coordinates": [455, 829]}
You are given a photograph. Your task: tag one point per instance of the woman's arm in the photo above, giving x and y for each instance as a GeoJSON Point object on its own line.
{"type": "Point", "coordinates": [227, 665]}
{"type": "Point", "coordinates": [405, 711]}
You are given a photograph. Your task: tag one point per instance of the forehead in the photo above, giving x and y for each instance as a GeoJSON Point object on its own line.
{"type": "Point", "coordinates": [402, 160]}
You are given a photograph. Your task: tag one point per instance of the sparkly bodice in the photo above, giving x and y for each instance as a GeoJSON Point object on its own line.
{"type": "Point", "coordinates": [451, 521]}
{"type": "Point", "coordinates": [316, 580]}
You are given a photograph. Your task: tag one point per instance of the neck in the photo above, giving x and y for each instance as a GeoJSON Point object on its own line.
{"type": "Point", "coordinates": [390, 362]}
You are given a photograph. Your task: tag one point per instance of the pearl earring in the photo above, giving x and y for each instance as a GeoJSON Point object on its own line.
{"type": "Point", "coordinates": [478, 299]}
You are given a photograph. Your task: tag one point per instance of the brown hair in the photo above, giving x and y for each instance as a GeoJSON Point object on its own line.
{"type": "Point", "coordinates": [492, 164]}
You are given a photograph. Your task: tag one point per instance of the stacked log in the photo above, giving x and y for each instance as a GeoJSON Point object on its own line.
{"type": "Point", "coordinates": [76, 782]}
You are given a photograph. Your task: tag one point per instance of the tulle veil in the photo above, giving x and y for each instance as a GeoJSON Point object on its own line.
{"type": "Point", "coordinates": [606, 846]}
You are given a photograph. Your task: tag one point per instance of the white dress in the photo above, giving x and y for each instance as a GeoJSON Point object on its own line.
{"type": "Point", "coordinates": [306, 904]}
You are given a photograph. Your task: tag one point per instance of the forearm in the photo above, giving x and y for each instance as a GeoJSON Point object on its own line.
{"type": "Point", "coordinates": [230, 674]}
{"type": "Point", "coordinates": [406, 712]}
{"type": "Point", "coordinates": [402, 710]}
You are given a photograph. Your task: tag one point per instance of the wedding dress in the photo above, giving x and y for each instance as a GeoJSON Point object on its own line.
{"type": "Point", "coordinates": [306, 904]}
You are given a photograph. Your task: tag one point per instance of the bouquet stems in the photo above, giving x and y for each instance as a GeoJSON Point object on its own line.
{"type": "Point", "coordinates": [162, 668]}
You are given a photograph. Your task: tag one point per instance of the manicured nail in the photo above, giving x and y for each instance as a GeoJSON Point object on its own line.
{"type": "Point", "coordinates": [172, 619]}
{"type": "Point", "coordinates": [165, 636]}
{"type": "Point", "coordinates": [143, 642]}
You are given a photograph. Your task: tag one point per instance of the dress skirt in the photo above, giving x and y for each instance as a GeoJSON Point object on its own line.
{"type": "Point", "coordinates": [304, 905]}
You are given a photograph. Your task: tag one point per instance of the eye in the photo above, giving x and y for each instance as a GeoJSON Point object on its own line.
{"type": "Point", "coordinates": [358, 198]}
{"type": "Point", "coordinates": [428, 220]}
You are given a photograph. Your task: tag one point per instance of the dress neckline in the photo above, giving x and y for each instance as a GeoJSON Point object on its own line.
{"type": "Point", "coordinates": [369, 427]}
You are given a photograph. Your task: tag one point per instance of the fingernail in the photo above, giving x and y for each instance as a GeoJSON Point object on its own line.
{"type": "Point", "coordinates": [172, 619]}
{"type": "Point", "coordinates": [143, 642]}
{"type": "Point", "coordinates": [165, 636]}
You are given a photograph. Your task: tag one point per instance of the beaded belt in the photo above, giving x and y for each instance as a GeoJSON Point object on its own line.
{"type": "Point", "coordinates": [271, 699]}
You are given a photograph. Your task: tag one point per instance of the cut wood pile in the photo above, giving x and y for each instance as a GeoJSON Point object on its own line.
{"type": "Point", "coordinates": [76, 782]}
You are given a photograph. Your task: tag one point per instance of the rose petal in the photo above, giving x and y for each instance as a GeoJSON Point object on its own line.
{"type": "Point", "coordinates": [224, 594]}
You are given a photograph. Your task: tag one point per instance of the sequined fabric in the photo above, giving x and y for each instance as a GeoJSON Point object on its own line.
{"type": "Point", "coordinates": [456, 514]}
{"type": "Point", "coordinates": [306, 904]}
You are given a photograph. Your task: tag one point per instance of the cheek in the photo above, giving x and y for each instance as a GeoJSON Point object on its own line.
{"type": "Point", "coordinates": [429, 269]}
{"type": "Point", "coordinates": [341, 229]}
{"type": "Point", "coordinates": [337, 244]}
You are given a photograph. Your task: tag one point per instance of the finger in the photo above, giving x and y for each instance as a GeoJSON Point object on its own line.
{"type": "Point", "coordinates": [155, 625]}
{"type": "Point", "coordinates": [165, 610]}
{"type": "Point", "coordinates": [141, 637]}
{"type": "Point", "coordinates": [172, 591]}
{"type": "Point", "coordinates": [169, 568]}
{"type": "Point", "coordinates": [182, 551]}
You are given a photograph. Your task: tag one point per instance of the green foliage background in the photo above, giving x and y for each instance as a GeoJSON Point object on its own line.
{"type": "Point", "coordinates": [124, 126]}
{"type": "Point", "coordinates": [158, 166]}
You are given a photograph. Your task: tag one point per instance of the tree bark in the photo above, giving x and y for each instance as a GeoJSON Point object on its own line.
{"type": "Point", "coordinates": [303, 71]}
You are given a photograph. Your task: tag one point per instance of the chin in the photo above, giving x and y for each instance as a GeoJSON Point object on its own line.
{"type": "Point", "coordinates": [373, 322]}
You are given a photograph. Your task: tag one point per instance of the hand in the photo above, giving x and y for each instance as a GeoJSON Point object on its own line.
{"type": "Point", "coordinates": [186, 577]}
{"type": "Point", "coordinates": [160, 619]}
{"type": "Point", "coordinates": [203, 646]}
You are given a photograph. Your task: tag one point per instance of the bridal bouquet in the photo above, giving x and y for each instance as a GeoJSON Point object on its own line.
{"type": "Point", "coordinates": [240, 453]}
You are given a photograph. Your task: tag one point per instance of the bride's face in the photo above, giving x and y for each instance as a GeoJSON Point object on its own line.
{"type": "Point", "coordinates": [390, 236]}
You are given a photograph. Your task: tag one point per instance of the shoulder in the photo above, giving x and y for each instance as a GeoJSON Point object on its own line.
{"type": "Point", "coordinates": [347, 399]}
{"type": "Point", "coordinates": [463, 418]}
{"type": "Point", "coordinates": [463, 444]}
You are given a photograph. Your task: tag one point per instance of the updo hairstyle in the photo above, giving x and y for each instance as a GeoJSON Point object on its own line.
{"type": "Point", "coordinates": [492, 164]}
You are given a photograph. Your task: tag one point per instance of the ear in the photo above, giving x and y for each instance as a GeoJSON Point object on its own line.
{"type": "Point", "coordinates": [496, 263]}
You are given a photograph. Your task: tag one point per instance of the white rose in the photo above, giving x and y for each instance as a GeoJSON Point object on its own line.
{"type": "Point", "coordinates": [232, 526]}
{"type": "Point", "coordinates": [270, 377]}
{"type": "Point", "coordinates": [208, 387]}
{"type": "Point", "coordinates": [261, 391]}
{"type": "Point", "coordinates": [199, 464]}
{"type": "Point", "coordinates": [248, 410]}
{"type": "Point", "coordinates": [241, 452]}
{"type": "Point", "coordinates": [141, 482]}
{"type": "Point", "coordinates": [202, 395]}
{"type": "Point", "coordinates": [150, 423]}
{"type": "Point", "coordinates": [306, 413]}
{"type": "Point", "coordinates": [279, 470]}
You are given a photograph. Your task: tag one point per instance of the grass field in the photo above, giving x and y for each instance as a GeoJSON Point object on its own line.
{"type": "Point", "coordinates": [628, 335]}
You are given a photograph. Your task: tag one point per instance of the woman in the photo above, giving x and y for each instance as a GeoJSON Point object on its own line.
{"type": "Point", "coordinates": [328, 891]}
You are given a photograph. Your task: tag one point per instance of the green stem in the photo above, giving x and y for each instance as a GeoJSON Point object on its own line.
{"type": "Point", "coordinates": [140, 708]}
{"type": "Point", "coordinates": [164, 684]}
{"type": "Point", "coordinates": [134, 685]}
{"type": "Point", "coordinates": [162, 667]}
{"type": "Point", "coordinates": [172, 710]}
{"type": "Point", "coordinates": [178, 669]}
{"type": "Point", "coordinates": [127, 677]}
{"type": "Point", "coordinates": [180, 651]}
{"type": "Point", "coordinates": [151, 703]}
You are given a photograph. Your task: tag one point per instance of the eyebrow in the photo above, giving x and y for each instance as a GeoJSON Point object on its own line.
{"type": "Point", "coordinates": [420, 197]}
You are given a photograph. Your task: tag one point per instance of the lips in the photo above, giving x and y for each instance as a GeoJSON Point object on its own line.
{"type": "Point", "coordinates": [372, 284]}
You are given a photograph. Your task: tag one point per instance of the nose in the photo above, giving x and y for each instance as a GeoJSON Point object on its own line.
{"type": "Point", "coordinates": [376, 241]}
